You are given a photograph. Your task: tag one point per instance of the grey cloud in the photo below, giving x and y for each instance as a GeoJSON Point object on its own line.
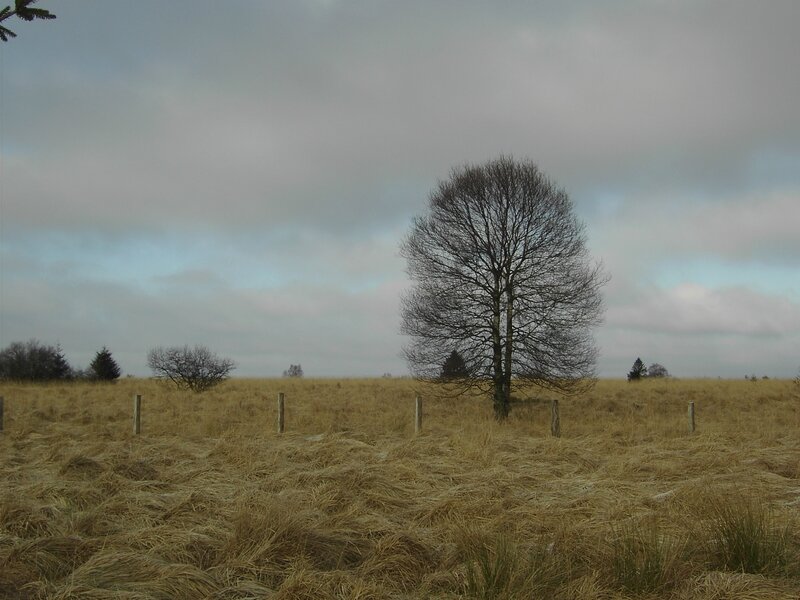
{"type": "Point", "coordinates": [330, 331]}
{"type": "Point", "coordinates": [319, 126]}
{"type": "Point", "coordinates": [698, 355]}
{"type": "Point", "coordinates": [294, 140]}
{"type": "Point", "coordinates": [696, 331]}
{"type": "Point", "coordinates": [695, 309]}
{"type": "Point", "coordinates": [645, 235]}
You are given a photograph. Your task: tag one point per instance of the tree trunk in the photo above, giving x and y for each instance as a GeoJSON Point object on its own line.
{"type": "Point", "coordinates": [509, 350]}
{"type": "Point", "coordinates": [498, 378]}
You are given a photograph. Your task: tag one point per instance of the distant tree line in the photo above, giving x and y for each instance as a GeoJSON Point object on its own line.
{"type": "Point", "coordinates": [194, 368]}
{"type": "Point", "coordinates": [640, 371]}
{"type": "Point", "coordinates": [455, 368]}
{"type": "Point", "coordinates": [35, 361]}
{"type": "Point", "coordinates": [755, 377]}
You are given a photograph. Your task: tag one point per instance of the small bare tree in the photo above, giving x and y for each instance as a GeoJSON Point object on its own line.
{"type": "Point", "coordinates": [657, 370]}
{"type": "Point", "coordinates": [293, 371]}
{"type": "Point", "coordinates": [196, 369]}
{"type": "Point", "coordinates": [503, 277]}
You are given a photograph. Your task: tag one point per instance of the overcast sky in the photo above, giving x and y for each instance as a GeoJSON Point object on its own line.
{"type": "Point", "coordinates": [239, 174]}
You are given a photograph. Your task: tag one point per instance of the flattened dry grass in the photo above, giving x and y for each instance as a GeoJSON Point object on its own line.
{"type": "Point", "coordinates": [210, 502]}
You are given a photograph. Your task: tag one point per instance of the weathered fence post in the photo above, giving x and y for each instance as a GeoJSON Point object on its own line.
{"type": "Point", "coordinates": [418, 415]}
{"type": "Point", "coordinates": [137, 414]}
{"type": "Point", "coordinates": [691, 417]}
{"type": "Point", "coordinates": [555, 419]}
{"type": "Point", "coordinates": [1, 414]}
{"type": "Point", "coordinates": [281, 420]}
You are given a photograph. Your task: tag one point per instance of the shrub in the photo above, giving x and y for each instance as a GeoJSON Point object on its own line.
{"type": "Point", "coordinates": [33, 361]}
{"type": "Point", "coordinates": [197, 369]}
{"type": "Point", "coordinates": [104, 367]}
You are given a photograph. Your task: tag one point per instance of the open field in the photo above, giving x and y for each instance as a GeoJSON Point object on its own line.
{"type": "Point", "coordinates": [210, 502]}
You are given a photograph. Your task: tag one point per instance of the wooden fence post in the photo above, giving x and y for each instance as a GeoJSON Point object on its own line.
{"type": "Point", "coordinates": [1, 414]}
{"type": "Point", "coordinates": [137, 414]}
{"type": "Point", "coordinates": [418, 415]}
{"type": "Point", "coordinates": [555, 419]}
{"type": "Point", "coordinates": [691, 417]}
{"type": "Point", "coordinates": [281, 420]}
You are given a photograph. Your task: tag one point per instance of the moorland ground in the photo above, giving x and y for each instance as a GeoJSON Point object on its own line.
{"type": "Point", "coordinates": [209, 501]}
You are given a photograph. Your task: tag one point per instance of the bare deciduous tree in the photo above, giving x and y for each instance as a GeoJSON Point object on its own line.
{"type": "Point", "coordinates": [197, 369]}
{"type": "Point", "coordinates": [502, 274]}
{"type": "Point", "coordinates": [657, 370]}
{"type": "Point", "coordinates": [33, 361]}
{"type": "Point", "coordinates": [293, 371]}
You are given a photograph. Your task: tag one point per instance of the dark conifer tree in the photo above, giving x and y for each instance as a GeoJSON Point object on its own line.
{"type": "Point", "coordinates": [454, 367]}
{"type": "Point", "coordinates": [104, 367]}
{"type": "Point", "coordinates": [638, 371]}
{"type": "Point", "coordinates": [22, 10]}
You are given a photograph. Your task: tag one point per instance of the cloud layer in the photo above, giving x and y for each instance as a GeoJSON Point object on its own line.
{"type": "Point", "coordinates": [175, 173]}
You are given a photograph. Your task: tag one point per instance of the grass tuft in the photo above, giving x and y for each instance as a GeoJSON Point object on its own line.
{"type": "Point", "coordinates": [491, 571]}
{"type": "Point", "coordinates": [745, 535]}
{"type": "Point", "coordinates": [504, 570]}
{"type": "Point", "coordinates": [643, 558]}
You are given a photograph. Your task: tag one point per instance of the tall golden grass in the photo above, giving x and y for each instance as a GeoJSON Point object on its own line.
{"type": "Point", "coordinates": [211, 502]}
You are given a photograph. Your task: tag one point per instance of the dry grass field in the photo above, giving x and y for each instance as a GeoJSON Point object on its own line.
{"type": "Point", "coordinates": [210, 502]}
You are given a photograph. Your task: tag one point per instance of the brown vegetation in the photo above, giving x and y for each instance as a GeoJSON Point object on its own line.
{"type": "Point", "coordinates": [210, 502]}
